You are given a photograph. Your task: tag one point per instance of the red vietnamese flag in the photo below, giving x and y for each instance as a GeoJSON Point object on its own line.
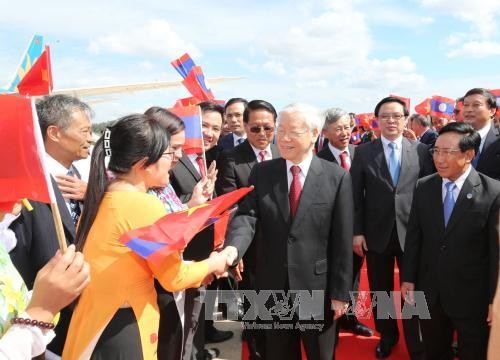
{"type": "Point", "coordinates": [364, 119]}
{"type": "Point", "coordinates": [404, 99]}
{"type": "Point", "coordinates": [424, 108]}
{"type": "Point", "coordinates": [38, 80]}
{"type": "Point", "coordinates": [174, 231]}
{"type": "Point", "coordinates": [496, 92]}
{"type": "Point", "coordinates": [21, 153]}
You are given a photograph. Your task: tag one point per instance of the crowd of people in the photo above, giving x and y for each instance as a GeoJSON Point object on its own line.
{"type": "Point", "coordinates": [418, 191]}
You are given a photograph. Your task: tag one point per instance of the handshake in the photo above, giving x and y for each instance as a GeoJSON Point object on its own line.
{"type": "Point", "coordinates": [219, 263]}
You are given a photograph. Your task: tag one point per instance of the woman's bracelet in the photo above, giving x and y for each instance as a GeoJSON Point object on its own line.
{"type": "Point", "coordinates": [40, 324]}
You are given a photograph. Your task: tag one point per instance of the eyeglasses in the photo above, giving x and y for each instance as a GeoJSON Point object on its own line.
{"type": "Point", "coordinates": [292, 135]}
{"type": "Point", "coordinates": [168, 155]}
{"type": "Point", "coordinates": [386, 117]}
{"type": "Point", "coordinates": [444, 152]}
{"type": "Point", "coordinates": [258, 129]}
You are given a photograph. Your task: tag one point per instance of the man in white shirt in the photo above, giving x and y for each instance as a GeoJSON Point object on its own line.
{"type": "Point", "coordinates": [66, 130]}
{"type": "Point", "coordinates": [478, 110]}
{"type": "Point", "coordinates": [233, 117]}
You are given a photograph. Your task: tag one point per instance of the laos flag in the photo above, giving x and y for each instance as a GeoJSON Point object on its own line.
{"type": "Point", "coordinates": [191, 116]}
{"type": "Point", "coordinates": [442, 107]}
{"type": "Point", "coordinates": [183, 65]}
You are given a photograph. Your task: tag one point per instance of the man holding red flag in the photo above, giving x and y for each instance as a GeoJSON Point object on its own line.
{"type": "Point", "coordinates": [66, 130]}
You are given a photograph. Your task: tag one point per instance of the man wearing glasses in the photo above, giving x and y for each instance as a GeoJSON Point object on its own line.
{"type": "Point", "coordinates": [384, 173]}
{"type": "Point", "coordinates": [451, 248]}
{"type": "Point", "coordinates": [259, 119]}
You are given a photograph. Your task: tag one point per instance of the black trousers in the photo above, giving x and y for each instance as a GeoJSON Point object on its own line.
{"type": "Point", "coordinates": [121, 339]}
{"type": "Point", "coordinates": [381, 278]}
{"type": "Point", "coordinates": [437, 333]}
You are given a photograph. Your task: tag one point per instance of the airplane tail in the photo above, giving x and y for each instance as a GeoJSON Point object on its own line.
{"type": "Point", "coordinates": [29, 57]}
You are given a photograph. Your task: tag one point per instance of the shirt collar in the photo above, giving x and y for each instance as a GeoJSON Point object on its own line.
{"type": "Point", "coordinates": [461, 179]}
{"type": "Point", "coordinates": [257, 151]}
{"type": "Point", "coordinates": [304, 165]}
{"type": "Point", "coordinates": [398, 141]}
{"type": "Point", "coordinates": [55, 167]}
{"type": "Point", "coordinates": [484, 131]}
{"type": "Point", "coordinates": [337, 152]}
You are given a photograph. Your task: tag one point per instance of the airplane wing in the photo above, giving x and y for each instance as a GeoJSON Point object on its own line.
{"type": "Point", "coordinates": [131, 88]}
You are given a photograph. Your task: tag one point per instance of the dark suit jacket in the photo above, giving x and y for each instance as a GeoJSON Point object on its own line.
{"type": "Point", "coordinates": [235, 165]}
{"type": "Point", "coordinates": [36, 245]}
{"type": "Point", "coordinates": [326, 153]}
{"type": "Point", "coordinates": [489, 159]}
{"type": "Point", "coordinates": [183, 178]}
{"type": "Point", "coordinates": [312, 252]}
{"type": "Point", "coordinates": [377, 203]}
{"type": "Point", "coordinates": [458, 264]}
{"type": "Point", "coordinates": [429, 137]}
{"type": "Point", "coordinates": [226, 142]}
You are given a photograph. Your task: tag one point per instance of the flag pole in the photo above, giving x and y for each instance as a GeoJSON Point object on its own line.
{"type": "Point", "coordinates": [61, 238]}
{"type": "Point", "coordinates": [202, 143]}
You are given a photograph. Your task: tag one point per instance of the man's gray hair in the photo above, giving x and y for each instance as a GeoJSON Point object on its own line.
{"type": "Point", "coordinates": [423, 120]}
{"type": "Point", "coordinates": [57, 110]}
{"type": "Point", "coordinates": [333, 115]}
{"type": "Point", "coordinates": [309, 112]}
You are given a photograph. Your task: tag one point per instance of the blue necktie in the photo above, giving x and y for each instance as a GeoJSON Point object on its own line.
{"type": "Point", "coordinates": [74, 205]}
{"type": "Point", "coordinates": [394, 166]}
{"type": "Point", "coordinates": [449, 202]}
{"type": "Point", "coordinates": [240, 141]}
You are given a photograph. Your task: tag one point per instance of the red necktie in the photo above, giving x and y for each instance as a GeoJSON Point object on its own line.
{"type": "Point", "coordinates": [262, 155]}
{"type": "Point", "coordinates": [295, 190]}
{"type": "Point", "coordinates": [201, 165]}
{"type": "Point", "coordinates": [343, 160]}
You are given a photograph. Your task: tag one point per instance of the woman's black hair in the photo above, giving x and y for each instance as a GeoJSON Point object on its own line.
{"type": "Point", "coordinates": [132, 138]}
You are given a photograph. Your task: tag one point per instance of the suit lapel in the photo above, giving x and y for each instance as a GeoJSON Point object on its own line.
{"type": "Point", "coordinates": [491, 137]}
{"type": "Point", "coordinates": [409, 161]}
{"type": "Point", "coordinates": [189, 166]}
{"type": "Point", "coordinates": [280, 189]}
{"type": "Point", "coordinates": [310, 190]}
{"type": "Point", "coordinates": [467, 193]}
{"type": "Point", "coordinates": [436, 204]}
{"type": "Point", "coordinates": [352, 150]}
{"type": "Point", "coordinates": [275, 152]}
{"type": "Point", "coordinates": [247, 151]}
{"type": "Point", "coordinates": [379, 160]}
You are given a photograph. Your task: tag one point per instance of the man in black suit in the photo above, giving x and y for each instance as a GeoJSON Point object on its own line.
{"type": "Point", "coordinates": [234, 167]}
{"type": "Point", "coordinates": [478, 110]}
{"type": "Point", "coordinates": [304, 242]}
{"type": "Point", "coordinates": [421, 127]}
{"type": "Point", "coordinates": [233, 117]}
{"type": "Point", "coordinates": [384, 173]}
{"type": "Point", "coordinates": [451, 248]}
{"type": "Point", "coordinates": [337, 129]}
{"type": "Point", "coordinates": [184, 177]}
{"type": "Point", "coordinates": [67, 135]}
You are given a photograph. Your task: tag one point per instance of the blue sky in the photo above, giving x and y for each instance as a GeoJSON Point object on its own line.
{"type": "Point", "coordinates": [347, 54]}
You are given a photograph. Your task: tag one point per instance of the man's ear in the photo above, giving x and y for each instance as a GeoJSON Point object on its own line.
{"type": "Point", "coordinates": [53, 133]}
{"type": "Point", "coordinates": [469, 155]}
{"type": "Point", "coordinates": [315, 134]}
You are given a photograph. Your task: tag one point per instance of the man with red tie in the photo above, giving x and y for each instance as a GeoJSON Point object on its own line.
{"type": "Point", "coordinates": [302, 207]}
{"type": "Point", "coordinates": [337, 129]}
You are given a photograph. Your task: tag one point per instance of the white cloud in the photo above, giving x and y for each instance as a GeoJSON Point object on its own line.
{"type": "Point", "coordinates": [274, 67]}
{"type": "Point", "coordinates": [476, 49]}
{"type": "Point", "coordinates": [155, 38]}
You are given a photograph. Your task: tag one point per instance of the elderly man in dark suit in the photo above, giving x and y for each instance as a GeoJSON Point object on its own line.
{"type": "Point", "coordinates": [259, 120]}
{"type": "Point", "coordinates": [337, 129]}
{"type": "Point", "coordinates": [479, 107]}
{"type": "Point", "coordinates": [384, 173]}
{"type": "Point", "coordinates": [451, 249]}
{"type": "Point", "coordinates": [421, 127]}
{"type": "Point", "coordinates": [304, 242]}
{"type": "Point", "coordinates": [67, 136]}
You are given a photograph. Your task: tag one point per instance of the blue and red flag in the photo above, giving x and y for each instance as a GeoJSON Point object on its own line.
{"type": "Point", "coordinates": [183, 65]}
{"type": "Point", "coordinates": [174, 231]}
{"type": "Point", "coordinates": [355, 137]}
{"type": "Point", "coordinates": [496, 92]}
{"type": "Point", "coordinates": [195, 83]}
{"type": "Point", "coordinates": [442, 107]}
{"type": "Point", "coordinates": [374, 124]}
{"type": "Point", "coordinates": [191, 116]}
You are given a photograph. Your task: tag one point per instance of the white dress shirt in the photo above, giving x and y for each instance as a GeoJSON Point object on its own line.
{"type": "Point", "coordinates": [459, 183]}
{"type": "Point", "coordinates": [483, 133]}
{"type": "Point", "coordinates": [336, 153]}
{"type": "Point", "coordinates": [387, 149]}
{"type": "Point", "coordinates": [304, 168]}
{"type": "Point", "coordinates": [192, 158]}
{"type": "Point", "coordinates": [268, 156]}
